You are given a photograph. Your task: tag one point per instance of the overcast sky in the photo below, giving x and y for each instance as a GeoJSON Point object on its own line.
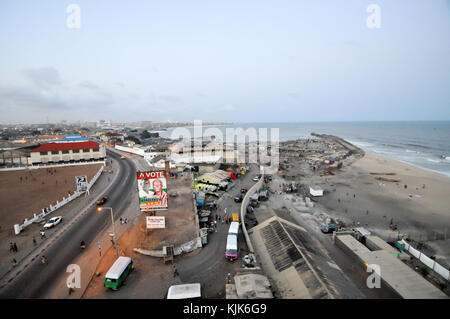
{"type": "Point", "coordinates": [233, 60]}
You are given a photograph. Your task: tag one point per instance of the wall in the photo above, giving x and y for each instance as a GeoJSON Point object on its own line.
{"type": "Point", "coordinates": [445, 273]}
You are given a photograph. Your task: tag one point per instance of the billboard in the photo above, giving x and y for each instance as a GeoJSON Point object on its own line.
{"type": "Point", "coordinates": [152, 188]}
{"type": "Point", "coordinates": [81, 182]}
{"type": "Point", "coordinates": [156, 222]}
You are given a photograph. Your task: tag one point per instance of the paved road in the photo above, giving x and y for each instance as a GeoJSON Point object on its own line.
{"type": "Point", "coordinates": [210, 267]}
{"type": "Point", "coordinates": [38, 279]}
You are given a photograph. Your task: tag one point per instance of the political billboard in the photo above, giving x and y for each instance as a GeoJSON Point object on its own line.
{"type": "Point", "coordinates": [152, 188]}
{"type": "Point", "coordinates": [81, 182]}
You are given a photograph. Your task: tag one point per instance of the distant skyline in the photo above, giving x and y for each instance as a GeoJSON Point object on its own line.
{"type": "Point", "coordinates": [231, 61]}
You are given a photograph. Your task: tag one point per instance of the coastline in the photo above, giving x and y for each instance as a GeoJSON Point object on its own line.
{"type": "Point", "coordinates": [356, 196]}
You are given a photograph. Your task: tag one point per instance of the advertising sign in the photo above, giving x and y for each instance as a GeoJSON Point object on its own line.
{"type": "Point", "coordinates": [152, 187]}
{"type": "Point", "coordinates": [81, 182]}
{"type": "Point", "coordinates": [156, 222]}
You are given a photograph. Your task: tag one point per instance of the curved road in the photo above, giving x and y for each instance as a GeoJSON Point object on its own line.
{"type": "Point", "coordinates": [37, 279]}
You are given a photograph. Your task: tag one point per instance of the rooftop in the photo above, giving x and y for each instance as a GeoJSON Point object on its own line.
{"type": "Point", "coordinates": [65, 146]}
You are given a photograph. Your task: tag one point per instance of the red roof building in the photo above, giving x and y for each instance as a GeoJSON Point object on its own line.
{"type": "Point", "coordinates": [66, 146]}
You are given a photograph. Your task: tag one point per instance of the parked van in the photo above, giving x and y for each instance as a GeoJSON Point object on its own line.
{"type": "Point", "coordinates": [118, 272]}
{"type": "Point", "coordinates": [186, 291]}
{"type": "Point", "coordinates": [231, 251]}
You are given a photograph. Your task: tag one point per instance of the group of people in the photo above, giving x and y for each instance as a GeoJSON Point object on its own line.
{"type": "Point", "coordinates": [13, 248]}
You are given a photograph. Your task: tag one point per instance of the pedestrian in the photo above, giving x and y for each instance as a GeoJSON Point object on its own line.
{"type": "Point", "coordinates": [226, 220]}
{"type": "Point", "coordinates": [43, 260]}
{"type": "Point", "coordinates": [126, 220]}
{"type": "Point", "coordinates": [42, 234]}
{"type": "Point", "coordinates": [15, 248]}
{"type": "Point", "coordinates": [175, 271]}
{"type": "Point", "coordinates": [216, 216]}
{"type": "Point", "coordinates": [228, 278]}
{"type": "Point", "coordinates": [14, 262]}
{"type": "Point", "coordinates": [121, 221]}
{"type": "Point", "coordinates": [11, 247]}
{"type": "Point", "coordinates": [354, 195]}
{"type": "Point", "coordinates": [34, 241]}
{"type": "Point", "coordinates": [215, 223]}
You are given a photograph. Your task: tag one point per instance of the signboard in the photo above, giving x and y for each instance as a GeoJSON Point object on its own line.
{"type": "Point", "coordinates": [152, 188]}
{"type": "Point", "coordinates": [81, 182]}
{"type": "Point", "coordinates": [156, 222]}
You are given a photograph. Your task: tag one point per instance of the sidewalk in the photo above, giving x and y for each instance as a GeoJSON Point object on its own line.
{"type": "Point", "coordinates": [70, 211]}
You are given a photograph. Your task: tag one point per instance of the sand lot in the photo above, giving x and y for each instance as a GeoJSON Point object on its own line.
{"type": "Point", "coordinates": [25, 192]}
{"type": "Point", "coordinates": [356, 194]}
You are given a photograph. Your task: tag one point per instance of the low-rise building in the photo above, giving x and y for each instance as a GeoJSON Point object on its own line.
{"type": "Point", "coordinates": [66, 152]}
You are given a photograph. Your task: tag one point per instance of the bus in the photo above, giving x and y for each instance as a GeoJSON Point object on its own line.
{"type": "Point", "coordinates": [231, 251]}
{"type": "Point", "coordinates": [186, 291]}
{"type": "Point", "coordinates": [234, 228]}
{"type": "Point", "coordinates": [118, 272]}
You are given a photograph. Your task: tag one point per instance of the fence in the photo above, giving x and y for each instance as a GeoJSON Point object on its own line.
{"type": "Point", "coordinates": [48, 210]}
{"type": "Point", "coordinates": [445, 273]}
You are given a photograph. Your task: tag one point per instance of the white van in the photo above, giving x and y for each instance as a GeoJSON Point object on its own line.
{"type": "Point", "coordinates": [186, 291]}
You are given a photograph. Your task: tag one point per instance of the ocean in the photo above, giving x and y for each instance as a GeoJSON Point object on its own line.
{"type": "Point", "coordinates": [425, 144]}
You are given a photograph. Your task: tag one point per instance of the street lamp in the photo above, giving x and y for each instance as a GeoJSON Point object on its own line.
{"type": "Point", "coordinates": [114, 228]}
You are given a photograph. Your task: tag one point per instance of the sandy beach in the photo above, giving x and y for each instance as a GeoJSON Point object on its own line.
{"type": "Point", "coordinates": [371, 193]}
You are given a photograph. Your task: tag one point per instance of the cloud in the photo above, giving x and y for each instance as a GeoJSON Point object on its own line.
{"type": "Point", "coordinates": [170, 98]}
{"type": "Point", "coordinates": [45, 77]}
{"type": "Point", "coordinates": [89, 85]}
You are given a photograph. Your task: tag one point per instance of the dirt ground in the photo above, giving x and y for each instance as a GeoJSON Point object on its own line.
{"type": "Point", "coordinates": [180, 228]}
{"type": "Point", "coordinates": [41, 188]}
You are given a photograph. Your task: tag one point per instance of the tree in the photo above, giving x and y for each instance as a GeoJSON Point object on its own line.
{"type": "Point", "coordinates": [134, 139]}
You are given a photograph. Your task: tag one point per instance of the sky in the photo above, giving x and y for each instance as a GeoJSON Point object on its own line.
{"type": "Point", "coordinates": [234, 60]}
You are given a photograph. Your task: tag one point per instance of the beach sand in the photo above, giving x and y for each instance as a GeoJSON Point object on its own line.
{"type": "Point", "coordinates": [422, 213]}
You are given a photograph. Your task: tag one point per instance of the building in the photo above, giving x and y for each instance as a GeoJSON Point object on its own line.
{"type": "Point", "coordinates": [67, 152]}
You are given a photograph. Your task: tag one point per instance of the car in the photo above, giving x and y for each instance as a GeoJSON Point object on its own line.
{"type": "Point", "coordinates": [52, 222]}
{"type": "Point", "coordinates": [238, 198]}
{"type": "Point", "coordinates": [256, 178]}
{"type": "Point", "coordinates": [102, 200]}
{"type": "Point", "coordinates": [330, 229]}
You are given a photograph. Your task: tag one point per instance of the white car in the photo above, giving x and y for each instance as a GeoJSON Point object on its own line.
{"type": "Point", "coordinates": [52, 222]}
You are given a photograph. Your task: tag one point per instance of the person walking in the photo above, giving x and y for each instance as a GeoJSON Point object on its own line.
{"type": "Point", "coordinates": [44, 260]}
{"type": "Point", "coordinates": [14, 262]}
{"type": "Point", "coordinates": [42, 234]}
{"type": "Point", "coordinates": [11, 247]}
{"type": "Point", "coordinates": [175, 271]}
{"type": "Point", "coordinates": [34, 241]}
{"type": "Point", "coordinates": [15, 248]}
